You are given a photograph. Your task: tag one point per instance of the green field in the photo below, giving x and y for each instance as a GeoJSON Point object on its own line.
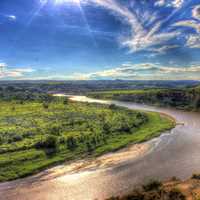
{"type": "Point", "coordinates": [35, 135]}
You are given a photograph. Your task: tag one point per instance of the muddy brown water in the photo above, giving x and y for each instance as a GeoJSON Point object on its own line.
{"type": "Point", "coordinates": [174, 153]}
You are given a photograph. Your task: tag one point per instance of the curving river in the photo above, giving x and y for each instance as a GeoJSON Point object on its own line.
{"type": "Point", "coordinates": [172, 154]}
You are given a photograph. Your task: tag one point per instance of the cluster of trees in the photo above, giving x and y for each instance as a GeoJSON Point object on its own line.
{"type": "Point", "coordinates": [188, 98]}
{"type": "Point", "coordinates": [9, 94]}
{"type": "Point", "coordinates": [95, 133]}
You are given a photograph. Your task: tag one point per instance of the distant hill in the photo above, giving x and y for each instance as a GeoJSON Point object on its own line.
{"type": "Point", "coordinates": [80, 87]}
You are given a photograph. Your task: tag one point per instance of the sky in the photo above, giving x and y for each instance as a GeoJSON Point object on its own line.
{"type": "Point", "coordinates": [100, 39]}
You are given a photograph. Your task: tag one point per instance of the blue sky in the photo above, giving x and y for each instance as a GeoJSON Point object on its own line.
{"type": "Point", "coordinates": [100, 39]}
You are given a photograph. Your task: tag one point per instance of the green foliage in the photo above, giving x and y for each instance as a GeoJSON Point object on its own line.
{"type": "Point", "coordinates": [71, 143]}
{"type": "Point", "coordinates": [50, 142]}
{"type": "Point", "coordinates": [65, 101]}
{"type": "Point", "coordinates": [188, 98]}
{"type": "Point", "coordinates": [45, 105]}
{"type": "Point", "coordinates": [112, 106]}
{"type": "Point", "coordinates": [33, 137]}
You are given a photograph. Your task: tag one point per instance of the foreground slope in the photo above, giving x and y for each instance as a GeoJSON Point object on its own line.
{"type": "Point", "coordinates": [173, 189]}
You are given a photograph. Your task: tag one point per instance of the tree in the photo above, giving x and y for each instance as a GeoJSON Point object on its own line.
{"type": "Point", "coordinates": [45, 105]}
{"type": "Point", "coordinates": [66, 101]}
{"type": "Point", "coordinates": [50, 142]}
{"type": "Point", "coordinates": [71, 143]}
{"type": "Point", "coordinates": [112, 106]}
{"type": "Point", "coordinates": [89, 147]}
{"type": "Point", "coordinates": [106, 128]}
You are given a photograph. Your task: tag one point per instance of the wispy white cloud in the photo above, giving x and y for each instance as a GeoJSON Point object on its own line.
{"type": "Point", "coordinates": [177, 3]}
{"type": "Point", "coordinates": [164, 48]}
{"type": "Point", "coordinates": [193, 41]}
{"type": "Point", "coordinates": [6, 72]}
{"type": "Point", "coordinates": [3, 65]}
{"type": "Point", "coordinates": [160, 3]}
{"type": "Point", "coordinates": [169, 3]}
{"type": "Point", "coordinates": [11, 17]}
{"type": "Point", "coordinates": [140, 38]}
{"type": "Point", "coordinates": [8, 17]}
{"type": "Point", "coordinates": [189, 23]}
{"type": "Point", "coordinates": [196, 12]}
{"type": "Point", "coordinates": [142, 71]}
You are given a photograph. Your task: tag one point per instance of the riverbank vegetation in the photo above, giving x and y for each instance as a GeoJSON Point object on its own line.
{"type": "Point", "coordinates": [38, 132]}
{"type": "Point", "coordinates": [155, 190]}
{"type": "Point", "coordinates": [187, 99]}
{"type": "Point", "coordinates": [174, 189]}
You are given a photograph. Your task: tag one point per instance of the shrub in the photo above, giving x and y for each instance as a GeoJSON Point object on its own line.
{"type": "Point", "coordinates": [106, 128]}
{"type": "Point", "coordinates": [71, 143]}
{"type": "Point", "coordinates": [176, 194]}
{"type": "Point", "coordinates": [14, 138]}
{"type": "Point", "coordinates": [62, 140]}
{"type": "Point", "coordinates": [152, 185]}
{"type": "Point", "coordinates": [45, 105]}
{"type": "Point", "coordinates": [112, 106]}
{"type": "Point", "coordinates": [55, 130]}
{"type": "Point", "coordinates": [65, 101]}
{"type": "Point", "coordinates": [89, 147]}
{"type": "Point", "coordinates": [196, 176]}
{"type": "Point", "coordinates": [174, 178]}
{"type": "Point", "coordinates": [17, 138]}
{"type": "Point", "coordinates": [136, 195]}
{"type": "Point", "coordinates": [49, 143]}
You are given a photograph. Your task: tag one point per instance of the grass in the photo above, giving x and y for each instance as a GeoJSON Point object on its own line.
{"type": "Point", "coordinates": [94, 129]}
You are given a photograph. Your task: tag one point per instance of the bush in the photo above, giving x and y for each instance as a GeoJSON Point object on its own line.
{"type": "Point", "coordinates": [152, 185]}
{"type": "Point", "coordinates": [71, 143]}
{"type": "Point", "coordinates": [14, 138]}
{"type": "Point", "coordinates": [65, 101]}
{"type": "Point", "coordinates": [55, 130]}
{"type": "Point", "coordinates": [49, 143]}
{"type": "Point", "coordinates": [174, 178]}
{"type": "Point", "coordinates": [17, 138]}
{"type": "Point", "coordinates": [176, 194]}
{"type": "Point", "coordinates": [196, 176]}
{"type": "Point", "coordinates": [112, 106]}
{"type": "Point", "coordinates": [45, 105]}
{"type": "Point", "coordinates": [62, 140]}
{"type": "Point", "coordinates": [89, 147]}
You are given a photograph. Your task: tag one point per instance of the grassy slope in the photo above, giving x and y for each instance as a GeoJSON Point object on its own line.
{"type": "Point", "coordinates": [32, 122]}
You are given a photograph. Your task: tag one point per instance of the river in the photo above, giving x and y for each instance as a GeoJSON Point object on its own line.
{"type": "Point", "coordinates": [174, 153]}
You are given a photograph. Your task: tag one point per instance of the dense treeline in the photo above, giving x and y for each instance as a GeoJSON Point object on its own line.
{"type": "Point", "coordinates": [188, 99]}
{"type": "Point", "coordinates": [10, 93]}
{"type": "Point", "coordinates": [80, 87]}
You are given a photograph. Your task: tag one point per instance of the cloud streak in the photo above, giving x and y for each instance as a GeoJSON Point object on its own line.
{"type": "Point", "coordinates": [6, 72]}
{"type": "Point", "coordinates": [146, 71]}
{"type": "Point", "coordinates": [196, 12]}
{"type": "Point", "coordinates": [140, 38]}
